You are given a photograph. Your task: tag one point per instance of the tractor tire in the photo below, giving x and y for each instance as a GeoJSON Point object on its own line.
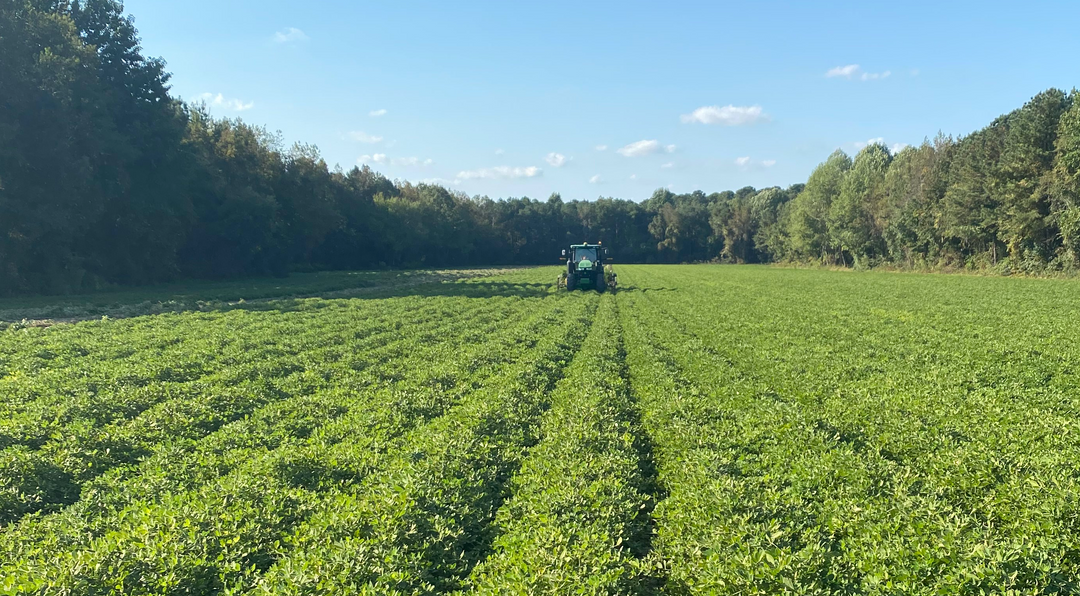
{"type": "Point", "coordinates": [571, 282]}
{"type": "Point", "coordinates": [601, 283]}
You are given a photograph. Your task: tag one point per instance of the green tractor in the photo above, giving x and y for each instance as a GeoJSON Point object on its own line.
{"type": "Point", "coordinates": [585, 268]}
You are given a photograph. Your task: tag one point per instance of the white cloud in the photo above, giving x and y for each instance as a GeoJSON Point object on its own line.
{"type": "Point", "coordinates": [556, 160]}
{"type": "Point", "coordinates": [854, 70]}
{"type": "Point", "coordinates": [596, 179]}
{"type": "Point", "coordinates": [728, 115]}
{"type": "Point", "coordinates": [377, 113]}
{"type": "Point", "coordinates": [219, 101]}
{"type": "Point", "coordinates": [499, 152]}
{"type": "Point", "coordinates": [363, 137]}
{"type": "Point", "coordinates": [633, 176]}
{"type": "Point", "coordinates": [601, 147]}
{"type": "Point", "coordinates": [669, 148]}
{"type": "Point", "coordinates": [747, 163]}
{"type": "Point", "coordinates": [410, 161]}
{"type": "Point", "coordinates": [640, 148]}
{"type": "Point", "coordinates": [843, 71]}
{"type": "Point", "coordinates": [289, 35]}
{"type": "Point", "coordinates": [667, 166]}
{"type": "Point", "coordinates": [894, 148]}
{"type": "Point", "coordinates": [871, 76]}
{"type": "Point", "coordinates": [381, 158]}
{"type": "Point", "coordinates": [873, 141]}
{"type": "Point", "coordinates": [500, 172]}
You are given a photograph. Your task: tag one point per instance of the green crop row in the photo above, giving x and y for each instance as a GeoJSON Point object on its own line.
{"type": "Point", "coordinates": [423, 521]}
{"type": "Point", "coordinates": [81, 448]}
{"type": "Point", "coordinates": [219, 493]}
{"type": "Point", "coordinates": [139, 363]}
{"type": "Point", "coordinates": [578, 520]}
{"type": "Point", "coordinates": [266, 293]}
{"type": "Point", "coordinates": [243, 444]}
{"type": "Point", "coordinates": [183, 463]}
{"type": "Point", "coordinates": [878, 443]}
{"type": "Point", "coordinates": [704, 430]}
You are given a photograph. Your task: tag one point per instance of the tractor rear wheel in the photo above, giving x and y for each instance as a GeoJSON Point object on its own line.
{"type": "Point", "coordinates": [601, 283]}
{"type": "Point", "coordinates": [571, 282]}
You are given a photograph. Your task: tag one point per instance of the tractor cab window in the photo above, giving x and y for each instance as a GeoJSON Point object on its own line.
{"type": "Point", "coordinates": [581, 254]}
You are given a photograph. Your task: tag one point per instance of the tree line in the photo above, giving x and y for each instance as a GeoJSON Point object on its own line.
{"type": "Point", "coordinates": [105, 178]}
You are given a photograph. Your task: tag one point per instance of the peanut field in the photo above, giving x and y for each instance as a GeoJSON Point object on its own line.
{"type": "Point", "coordinates": [704, 429]}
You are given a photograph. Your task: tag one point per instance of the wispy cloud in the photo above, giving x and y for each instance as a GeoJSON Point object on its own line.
{"type": "Point", "coordinates": [500, 173]}
{"type": "Point", "coordinates": [747, 163]}
{"type": "Point", "coordinates": [873, 141]}
{"type": "Point", "coordinates": [728, 115]}
{"type": "Point", "coordinates": [363, 137]}
{"type": "Point", "coordinates": [369, 159]}
{"type": "Point", "coordinates": [642, 148]}
{"type": "Point", "coordinates": [219, 101]}
{"type": "Point", "coordinates": [893, 148]}
{"type": "Point", "coordinates": [556, 160]}
{"type": "Point", "coordinates": [377, 113]}
{"type": "Point", "coordinates": [854, 71]}
{"type": "Point", "coordinates": [601, 147]}
{"type": "Point", "coordinates": [499, 152]}
{"type": "Point", "coordinates": [633, 176]}
{"type": "Point", "coordinates": [382, 158]}
{"type": "Point", "coordinates": [410, 161]}
{"type": "Point", "coordinates": [596, 179]}
{"type": "Point", "coordinates": [667, 166]}
{"type": "Point", "coordinates": [289, 35]}
{"type": "Point", "coordinates": [843, 71]}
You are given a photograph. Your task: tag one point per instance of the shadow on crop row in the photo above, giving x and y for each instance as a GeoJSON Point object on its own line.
{"type": "Point", "coordinates": [472, 288]}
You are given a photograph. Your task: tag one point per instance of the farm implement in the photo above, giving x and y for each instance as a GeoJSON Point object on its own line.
{"type": "Point", "coordinates": [585, 268]}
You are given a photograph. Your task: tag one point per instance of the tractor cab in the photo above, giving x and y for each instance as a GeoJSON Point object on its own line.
{"type": "Point", "coordinates": [585, 257]}
{"type": "Point", "coordinates": [585, 267]}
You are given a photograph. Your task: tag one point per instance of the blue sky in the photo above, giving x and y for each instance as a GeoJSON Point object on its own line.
{"type": "Point", "coordinates": [609, 98]}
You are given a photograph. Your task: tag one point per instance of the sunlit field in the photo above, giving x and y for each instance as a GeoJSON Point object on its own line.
{"type": "Point", "coordinates": [703, 429]}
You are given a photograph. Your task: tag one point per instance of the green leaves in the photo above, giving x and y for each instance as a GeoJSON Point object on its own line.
{"type": "Point", "coordinates": [905, 435]}
{"type": "Point", "coordinates": [848, 449]}
{"type": "Point", "coordinates": [578, 518]}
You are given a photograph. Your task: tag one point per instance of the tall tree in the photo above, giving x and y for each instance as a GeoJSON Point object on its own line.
{"type": "Point", "coordinates": [914, 188]}
{"type": "Point", "coordinates": [1065, 183]}
{"type": "Point", "coordinates": [857, 215]}
{"type": "Point", "coordinates": [970, 210]}
{"type": "Point", "coordinates": [808, 227]}
{"type": "Point", "coordinates": [1023, 181]}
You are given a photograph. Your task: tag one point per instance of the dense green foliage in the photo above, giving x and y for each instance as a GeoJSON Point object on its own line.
{"type": "Point", "coordinates": [107, 179]}
{"type": "Point", "coordinates": [911, 434]}
{"type": "Point", "coordinates": [895, 439]}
